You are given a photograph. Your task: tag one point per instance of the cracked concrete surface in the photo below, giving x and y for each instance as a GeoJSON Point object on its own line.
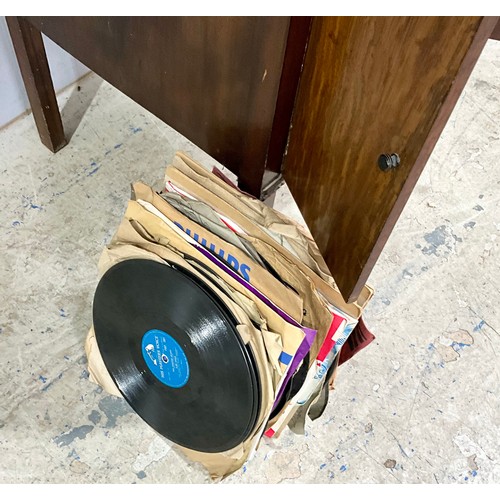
{"type": "Point", "coordinates": [419, 405]}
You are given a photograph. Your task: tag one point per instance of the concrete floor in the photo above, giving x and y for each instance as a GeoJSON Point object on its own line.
{"type": "Point", "coordinates": [420, 405]}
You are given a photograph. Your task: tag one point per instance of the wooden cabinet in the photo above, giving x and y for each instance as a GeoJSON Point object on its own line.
{"type": "Point", "coordinates": [324, 101]}
{"type": "Point", "coordinates": [372, 87]}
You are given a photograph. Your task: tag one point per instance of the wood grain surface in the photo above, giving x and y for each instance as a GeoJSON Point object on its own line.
{"type": "Point", "coordinates": [32, 60]}
{"type": "Point", "coordinates": [372, 86]}
{"type": "Point", "coordinates": [213, 79]}
{"type": "Point", "coordinates": [496, 32]}
{"type": "Point", "coordinates": [298, 35]}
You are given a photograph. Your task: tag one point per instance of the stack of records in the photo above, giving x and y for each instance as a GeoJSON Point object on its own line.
{"type": "Point", "coordinates": [217, 319]}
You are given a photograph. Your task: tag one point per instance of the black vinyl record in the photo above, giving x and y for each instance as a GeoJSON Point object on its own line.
{"type": "Point", "coordinates": [293, 386]}
{"type": "Point", "coordinates": [172, 347]}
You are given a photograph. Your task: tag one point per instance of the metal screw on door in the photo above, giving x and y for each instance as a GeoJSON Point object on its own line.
{"type": "Point", "coordinates": [388, 162]}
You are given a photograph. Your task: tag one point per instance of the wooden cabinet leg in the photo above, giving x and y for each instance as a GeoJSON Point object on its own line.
{"type": "Point", "coordinates": [495, 35]}
{"type": "Point", "coordinates": [32, 59]}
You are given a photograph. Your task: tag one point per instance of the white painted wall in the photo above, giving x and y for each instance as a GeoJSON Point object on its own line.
{"type": "Point", "coordinates": [13, 100]}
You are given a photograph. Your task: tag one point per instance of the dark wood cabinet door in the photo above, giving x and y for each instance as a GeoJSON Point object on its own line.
{"type": "Point", "coordinates": [371, 86]}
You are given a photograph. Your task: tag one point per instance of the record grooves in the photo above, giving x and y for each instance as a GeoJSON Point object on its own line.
{"type": "Point", "coordinates": [172, 347]}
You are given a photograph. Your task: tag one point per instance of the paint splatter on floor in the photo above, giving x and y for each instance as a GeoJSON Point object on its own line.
{"type": "Point", "coordinates": [76, 433]}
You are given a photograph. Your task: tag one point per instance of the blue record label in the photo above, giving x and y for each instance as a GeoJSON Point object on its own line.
{"type": "Point", "coordinates": [165, 358]}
